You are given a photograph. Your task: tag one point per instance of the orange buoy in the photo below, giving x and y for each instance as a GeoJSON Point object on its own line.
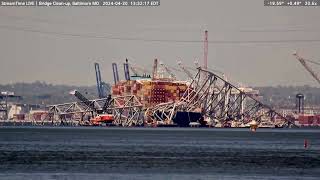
{"type": "Point", "coordinates": [253, 126]}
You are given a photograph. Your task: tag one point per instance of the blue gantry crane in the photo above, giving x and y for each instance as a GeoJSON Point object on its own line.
{"type": "Point", "coordinates": [126, 70]}
{"type": "Point", "coordinates": [102, 87]}
{"type": "Point", "coordinates": [115, 73]}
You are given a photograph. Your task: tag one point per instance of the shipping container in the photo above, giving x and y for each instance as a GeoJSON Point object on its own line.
{"type": "Point", "coordinates": [150, 92]}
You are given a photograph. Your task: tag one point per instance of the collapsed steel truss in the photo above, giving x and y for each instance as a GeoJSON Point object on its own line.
{"type": "Point", "coordinates": [127, 111]}
{"type": "Point", "coordinates": [218, 101]}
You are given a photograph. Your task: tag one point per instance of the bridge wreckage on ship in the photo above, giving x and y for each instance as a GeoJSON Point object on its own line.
{"type": "Point", "coordinates": [209, 100]}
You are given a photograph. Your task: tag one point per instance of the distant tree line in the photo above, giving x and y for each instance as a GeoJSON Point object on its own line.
{"type": "Point", "coordinates": [44, 93]}
{"type": "Point", "coordinates": [285, 96]}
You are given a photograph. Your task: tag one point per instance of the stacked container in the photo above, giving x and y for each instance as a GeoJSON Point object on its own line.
{"type": "Point", "coordinates": [151, 92]}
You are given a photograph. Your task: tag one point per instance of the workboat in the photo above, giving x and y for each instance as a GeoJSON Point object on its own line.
{"type": "Point", "coordinates": [101, 119]}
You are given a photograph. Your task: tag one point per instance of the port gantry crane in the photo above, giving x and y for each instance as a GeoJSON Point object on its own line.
{"type": "Point", "coordinates": [307, 67]}
{"type": "Point", "coordinates": [115, 73]}
{"type": "Point", "coordinates": [101, 86]}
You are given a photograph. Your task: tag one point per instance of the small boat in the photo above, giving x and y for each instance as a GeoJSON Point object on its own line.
{"type": "Point", "coordinates": [102, 118]}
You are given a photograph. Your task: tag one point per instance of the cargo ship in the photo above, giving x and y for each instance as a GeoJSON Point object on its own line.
{"type": "Point", "coordinates": [151, 92]}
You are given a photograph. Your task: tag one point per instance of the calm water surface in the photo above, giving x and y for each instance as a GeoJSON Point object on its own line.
{"type": "Point", "coordinates": [161, 153]}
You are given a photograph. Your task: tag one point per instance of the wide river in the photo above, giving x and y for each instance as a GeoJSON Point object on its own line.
{"type": "Point", "coordinates": [158, 153]}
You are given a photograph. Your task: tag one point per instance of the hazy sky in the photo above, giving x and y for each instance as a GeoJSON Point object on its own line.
{"type": "Point", "coordinates": [59, 45]}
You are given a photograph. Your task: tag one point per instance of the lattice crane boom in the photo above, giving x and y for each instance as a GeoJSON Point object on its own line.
{"type": "Point", "coordinates": [188, 73]}
{"type": "Point", "coordinates": [172, 75]}
{"type": "Point", "coordinates": [83, 99]}
{"type": "Point", "coordinates": [134, 71]}
{"type": "Point", "coordinates": [307, 67]}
